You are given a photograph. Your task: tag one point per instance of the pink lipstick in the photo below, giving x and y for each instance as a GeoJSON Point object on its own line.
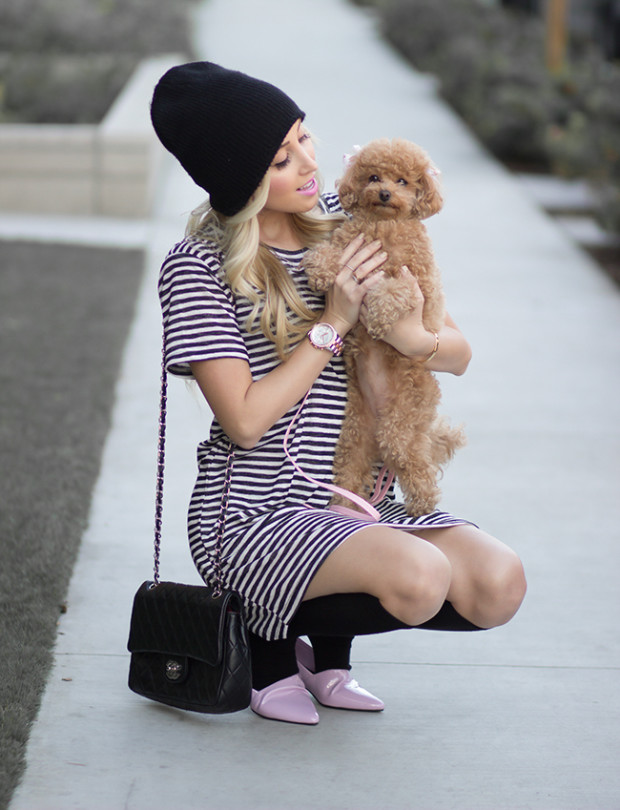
{"type": "Point", "coordinates": [310, 188]}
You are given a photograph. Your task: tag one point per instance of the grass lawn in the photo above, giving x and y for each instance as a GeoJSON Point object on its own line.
{"type": "Point", "coordinates": [64, 318]}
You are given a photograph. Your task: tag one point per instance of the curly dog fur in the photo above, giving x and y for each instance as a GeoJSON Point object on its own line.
{"type": "Point", "coordinates": [388, 187]}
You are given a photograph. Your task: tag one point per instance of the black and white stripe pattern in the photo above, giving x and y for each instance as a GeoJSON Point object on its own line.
{"type": "Point", "coordinates": [278, 529]}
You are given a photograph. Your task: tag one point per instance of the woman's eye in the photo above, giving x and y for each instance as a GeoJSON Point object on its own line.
{"type": "Point", "coordinates": [373, 178]}
{"type": "Point", "coordinates": [282, 164]}
{"type": "Point", "coordinates": [402, 181]}
{"type": "Point", "coordinates": [304, 137]}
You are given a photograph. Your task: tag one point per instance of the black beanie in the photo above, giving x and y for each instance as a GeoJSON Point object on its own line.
{"type": "Point", "coordinates": [223, 127]}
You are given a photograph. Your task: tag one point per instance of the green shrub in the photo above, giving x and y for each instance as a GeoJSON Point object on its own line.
{"type": "Point", "coordinates": [425, 31]}
{"type": "Point", "coordinates": [491, 66]}
{"type": "Point", "coordinates": [138, 27]}
{"type": "Point", "coordinates": [587, 142]}
{"type": "Point", "coordinates": [61, 89]}
{"type": "Point", "coordinates": [64, 61]}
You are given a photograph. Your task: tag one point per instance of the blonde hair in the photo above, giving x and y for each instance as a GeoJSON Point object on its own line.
{"type": "Point", "coordinates": [253, 271]}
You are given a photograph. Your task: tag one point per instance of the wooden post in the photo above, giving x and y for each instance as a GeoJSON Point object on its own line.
{"type": "Point", "coordinates": [557, 13]}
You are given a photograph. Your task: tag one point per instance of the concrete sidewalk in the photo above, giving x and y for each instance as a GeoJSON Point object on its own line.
{"type": "Point", "coordinates": [525, 716]}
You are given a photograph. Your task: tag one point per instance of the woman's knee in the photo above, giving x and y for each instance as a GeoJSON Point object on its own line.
{"type": "Point", "coordinates": [418, 586]}
{"type": "Point", "coordinates": [503, 591]}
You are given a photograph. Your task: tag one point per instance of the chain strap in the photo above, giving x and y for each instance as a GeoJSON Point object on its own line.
{"type": "Point", "coordinates": [159, 489]}
{"type": "Point", "coordinates": [219, 527]}
{"type": "Point", "coordinates": [161, 451]}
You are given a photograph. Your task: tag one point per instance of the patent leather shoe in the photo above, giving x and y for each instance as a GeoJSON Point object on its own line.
{"type": "Point", "coordinates": [285, 700]}
{"type": "Point", "coordinates": [334, 687]}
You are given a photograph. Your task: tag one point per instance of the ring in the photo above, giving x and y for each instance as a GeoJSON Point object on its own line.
{"type": "Point", "coordinates": [353, 271]}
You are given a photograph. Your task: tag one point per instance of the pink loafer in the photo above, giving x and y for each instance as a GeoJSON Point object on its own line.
{"type": "Point", "coordinates": [334, 687]}
{"type": "Point", "coordinates": [285, 700]}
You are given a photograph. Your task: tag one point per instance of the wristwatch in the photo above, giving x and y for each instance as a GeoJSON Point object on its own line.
{"type": "Point", "coordinates": [324, 336]}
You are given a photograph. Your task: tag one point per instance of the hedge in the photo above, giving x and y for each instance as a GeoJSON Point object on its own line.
{"type": "Point", "coordinates": [63, 61]}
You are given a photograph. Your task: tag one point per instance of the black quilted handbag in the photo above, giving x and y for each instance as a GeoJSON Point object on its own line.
{"type": "Point", "coordinates": [189, 643]}
{"type": "Point", "coordinates": [189, 649]}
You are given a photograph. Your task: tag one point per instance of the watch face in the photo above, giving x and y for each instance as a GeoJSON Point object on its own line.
{"type": "Point", "coordinates": [323, 334]}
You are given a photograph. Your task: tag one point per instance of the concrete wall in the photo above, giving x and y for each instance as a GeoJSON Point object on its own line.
{"type": "Point", "coordinates": [92, 170]}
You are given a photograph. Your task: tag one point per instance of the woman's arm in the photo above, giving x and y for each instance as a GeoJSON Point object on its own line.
{"type": "Point", "coordinates": [453, 353]}
{"type": "Point", "coordinates": [246, 408]}
{"type": "Point", "coordinates": [411, 338]}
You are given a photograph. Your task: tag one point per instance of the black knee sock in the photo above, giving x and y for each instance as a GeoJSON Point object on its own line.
{"type": "Point", "coordinates": [359, 614]}
{"type": "Point", "coordinates": [274, 660]}
{"type": "Point", "coordinates": [271, 660]}
{"type": "Point", "coordinates": [331, 622]}
{"type": "Point", "coordinates": [449, 619]}
{"type": "Point", "coordinates": [331, 652]}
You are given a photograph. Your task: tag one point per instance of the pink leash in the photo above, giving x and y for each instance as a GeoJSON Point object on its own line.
{"type": "Point", "coordinates": [382, 485]}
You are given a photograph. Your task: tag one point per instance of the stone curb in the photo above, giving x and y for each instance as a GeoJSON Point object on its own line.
{"type": "Point", "coordinates": [106, 169]}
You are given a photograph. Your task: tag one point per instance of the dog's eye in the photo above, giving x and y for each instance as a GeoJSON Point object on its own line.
{"type": "Point", "coordinates": [373, 178]}
{"type": "Point", "coordinates": [402, 181]}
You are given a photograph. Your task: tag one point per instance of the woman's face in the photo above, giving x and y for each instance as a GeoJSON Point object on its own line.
{"type": "Point", "coordinates": [292, 184]}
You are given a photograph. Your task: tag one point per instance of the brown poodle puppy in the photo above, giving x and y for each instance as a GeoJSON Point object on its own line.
{"type": "Point", "coordinates": [391, 414]}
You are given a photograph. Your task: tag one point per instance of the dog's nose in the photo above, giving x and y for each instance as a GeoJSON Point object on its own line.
{"type": "Point", "coordinates": [384, 195]}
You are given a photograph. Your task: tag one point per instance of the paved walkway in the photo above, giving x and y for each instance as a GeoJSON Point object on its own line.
{"type": "Point", "coordinates": [526, 716]}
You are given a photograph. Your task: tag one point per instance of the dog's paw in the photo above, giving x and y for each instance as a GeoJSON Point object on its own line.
{"type": "Point", "coordinates": [320, 267]}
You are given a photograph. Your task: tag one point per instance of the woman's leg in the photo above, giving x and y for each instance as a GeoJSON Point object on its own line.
{"type": "Point", "coordinates": [487, 583]}
{"type": "Point", "coordinates": [271, 660]}
{"type": "Point", "coordinates": [329, 622]}
{"type": "Point", "coordinates": [346, 615]}
{"type": "Point", "coordinates": [274, 660]}
{"type": "Point", "coordinates": [381, 580]}
{"type": "Point", "coordinates": [487, 586]}
{"type": "Point", "coordinates": [345, 570]}
{"type": "Point", "coordinates": [409, 576]}
{"type": "Point", "coordinates": [330, 652]}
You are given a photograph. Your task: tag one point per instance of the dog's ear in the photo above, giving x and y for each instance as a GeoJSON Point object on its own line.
{"type": "Point", "coordinates": [428, 199]}
{"type": "Point", "coordinates": [348, 186]}
{"type": "Point", "coordinates": [347, 190]}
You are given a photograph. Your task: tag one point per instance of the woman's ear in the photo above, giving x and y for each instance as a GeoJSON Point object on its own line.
{"type": "Point", "coordinates": [428, 199]}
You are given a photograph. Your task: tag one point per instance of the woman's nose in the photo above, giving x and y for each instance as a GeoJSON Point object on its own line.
{"type": "Point", "coordinates": [309, 164]}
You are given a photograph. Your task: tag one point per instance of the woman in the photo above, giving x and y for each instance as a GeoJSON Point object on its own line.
{"type": "Point", "coordinates": [241, 320]}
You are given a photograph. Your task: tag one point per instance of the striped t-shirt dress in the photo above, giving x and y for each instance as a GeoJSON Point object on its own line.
{"type": "Point", "coordinates": [278, 528]}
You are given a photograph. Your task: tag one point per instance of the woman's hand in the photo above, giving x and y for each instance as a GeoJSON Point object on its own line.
{"type": "Point", "coordinates": [359, 272]}
{"type": "Point", "coordinates": [410, 337]}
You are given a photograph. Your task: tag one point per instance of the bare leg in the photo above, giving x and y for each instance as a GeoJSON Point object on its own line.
{"type": "Point", "coordinates": [478, 574]}
{"type": "Point", "coordinates": [488, 583]}
{"type": "Point", "coordinates": [408, 575]}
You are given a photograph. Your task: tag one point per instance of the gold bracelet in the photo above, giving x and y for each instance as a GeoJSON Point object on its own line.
{"type": "Point", "coordinates": [435, 349]}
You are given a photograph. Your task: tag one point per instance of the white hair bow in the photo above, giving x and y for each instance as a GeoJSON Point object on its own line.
{"type": "Point", "coordinates": [348, 158]}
